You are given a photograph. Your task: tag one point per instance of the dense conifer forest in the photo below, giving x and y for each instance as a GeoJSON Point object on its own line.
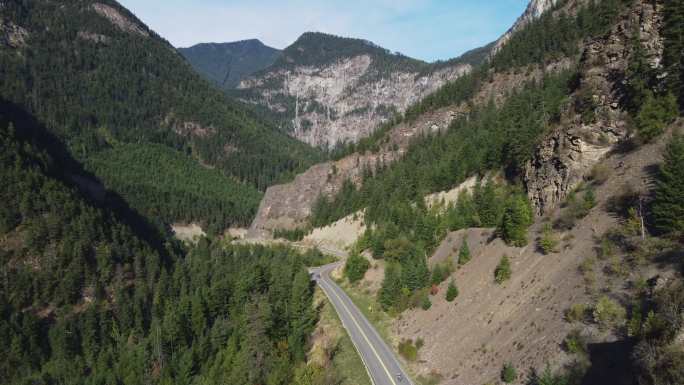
{"type": "Point", "coordinates": [85, 300]}
{"type": "Point", "coordinates": [118, 87]}
{"type": "Point", "coordinates": [154, 180]}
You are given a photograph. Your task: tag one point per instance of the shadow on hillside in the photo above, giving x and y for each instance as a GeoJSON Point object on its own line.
{"type": "Point", "coordinates": [70, 172]}
{"type": "Point", "coordinates": [610, 364]}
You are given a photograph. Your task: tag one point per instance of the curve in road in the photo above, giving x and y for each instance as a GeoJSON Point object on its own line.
{"type": "Point", "coordinates": [382, 365]}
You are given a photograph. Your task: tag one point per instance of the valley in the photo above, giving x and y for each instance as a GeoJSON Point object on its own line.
{"type": "Point", "coordinates": [337, 213]}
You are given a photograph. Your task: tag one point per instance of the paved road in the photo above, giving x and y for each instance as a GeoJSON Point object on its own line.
{"type": "Point", "coordinates": [381, 363]}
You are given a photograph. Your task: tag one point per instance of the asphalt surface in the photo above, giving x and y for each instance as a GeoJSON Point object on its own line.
{"type": "Point", "coordinates": [381, 363]}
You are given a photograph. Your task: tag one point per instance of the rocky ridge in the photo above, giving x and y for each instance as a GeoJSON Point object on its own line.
{"type": "Point", "coordinates": [570, 151]}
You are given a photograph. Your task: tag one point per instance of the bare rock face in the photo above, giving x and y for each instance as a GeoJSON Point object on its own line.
{"type": "Point", "coordinates": [288, 206]}
{"type": "Point", "coordinates": [343, 101]}
{"type": "Point", "coordinates": [534, 9]}
{"type": "Point", "coordinates": [12, 35]}
{"type": "Point", "coordinates": [568, 154]}
{"type": "Point", "coordinates": [121, 21]}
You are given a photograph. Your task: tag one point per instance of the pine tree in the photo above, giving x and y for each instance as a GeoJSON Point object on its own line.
{"type": "Point", "coordinates": [517, 218]}
{"type": "Point", "coordinates": [673, 55]}
{"type": "Point", "coordinates": [502, 272]}
{"type": "Point", "coordinates": [464, 252]}
{"type": "Point", "coordinates": [668, 205]}
{"type": "Point", "coordinates": [655, 114]}
{"type": "Point", "coordinates": [301, 314]}
{"type": "Point", "coordinates": [452, 291]}
{"type": "Point", "coordinates": [355, 268]}
{"type": "Point", "coordinates": [638, 74]}
{"type": "Point", "coordinates": [390, 291]}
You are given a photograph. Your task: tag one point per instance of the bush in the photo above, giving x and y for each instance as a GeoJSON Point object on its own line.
{"type": "Point", "coordinates": [575, 343]}
{"type": "Point", "coordinates": [599, 173]}
{"type": "Point", "coordinates": [608, 313]}
{"type": "Point", "coordinates": [576, 313]}
{"type": "Point", "coordinates": [440, 273]}
{"type": "Point", "coordinates": [508, 373]}
{"type": "Point", "coordinates": [502, 272]}
{"type": "Point", "coordinates": [425, 303]}
{"type": "Point", "coordinates": [548, 242]}
{"type": "Point", "coordinates": [294, 235]}
{"type": "Point", "coordinates": [408, 350]}
{"type": "Point", "coordinates": [356, 267]}
{"type": "Point", "coordinates": [452, 291]}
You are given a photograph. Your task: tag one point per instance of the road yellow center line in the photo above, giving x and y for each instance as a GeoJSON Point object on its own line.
{"type": "Point", "coordinates": [391, 378]}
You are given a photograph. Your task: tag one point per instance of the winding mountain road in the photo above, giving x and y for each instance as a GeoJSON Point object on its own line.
{"type": "Point", "coordinates": [379, 360]}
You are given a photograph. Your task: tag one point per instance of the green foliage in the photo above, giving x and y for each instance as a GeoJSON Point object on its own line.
{"type": "Point", "coordinates": [163, 183]}
{"type": "Point", "coordinates": [575, 343]}
{"type": "Point", "coordinates": [425, 303]}
{"type": "Point", "coordinates": [673, 62]}
{"type": "Point", "coordinates": [293, 235]}
{"type": "Point", "coordinates": [508, 373]}
{"type": "Point", "coordinates": [576, 313]}
{"type": "Point", "coordinates": [658, 356]}
{"type": "Point", "coordinates": [548, 242]}
{"type": "Point", "coordinates": [99, 302]}
{"type": "Point", "coordinates": [356, 268]}
{"type": "Point", "coordinates": [464, 252]}
{"type": "Point", "coordinates": [543, 40]}
{"type": "Point", "coordinates": [577, 205]}
{"type": "Point", "coordinates": [440, 272]}
{"type": "Point", "coordinates": [391, 289]}
{"type": "Point", "coordinates": [452, 291]}
{"type": "Point", "coordinates": [408, 350]}
{"type": "Point", "coordinates": [654, 115]}
{"type": "Point", "coordinates": [517, 218]}
{"type": "Point", "coordinates": [608, 313]}
{"type": "Point", "coordinates": [668, 204]}
{"type": "Point", "coordinates": [502, 272]}
{"type": "Point", "coordinates": [130, 88]}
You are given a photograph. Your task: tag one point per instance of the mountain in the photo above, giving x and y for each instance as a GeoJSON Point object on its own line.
{"type": "Point", "coordinates": [327, 90]}
{"type": "Point", "coordinates": [524, 212]}
{"type": "Point", "coordinates": [226, 64]}
{"type": "Point", "coordinates": [94, 298]}
{"type": "Point", "coordinates": [120, 85]}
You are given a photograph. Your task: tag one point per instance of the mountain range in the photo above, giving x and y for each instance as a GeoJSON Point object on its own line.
{"type": "Point", "coordinates": [512, 216]}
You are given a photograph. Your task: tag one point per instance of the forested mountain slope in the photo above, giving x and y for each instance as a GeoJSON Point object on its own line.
{"type": "Point", "coordinates": [326, 90]}
{"type": "Point", "coordinates": [86, 299]}
{"type": "Point", "coordinates": [98, 78]}
{"type": "Point", "coordinates": [574, 157]}
{"type": "Point", "coordinates": [226, 64]}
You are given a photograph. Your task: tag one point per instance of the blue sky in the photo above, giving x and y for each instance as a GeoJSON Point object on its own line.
{"type": "Point", "coordinates": [424, 29]}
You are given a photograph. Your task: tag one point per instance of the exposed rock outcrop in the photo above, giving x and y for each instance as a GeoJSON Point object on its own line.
{"type": "Point", "coordinates": [343, 101]}
{"type": "Point", "coordinates": [288, 206]}
{"type": "Point", "coordinates": [12, 35]}
{"type": "Point", "coordinates": [566, 155]}
{"type": "Point", "coordinates": [121, 21]}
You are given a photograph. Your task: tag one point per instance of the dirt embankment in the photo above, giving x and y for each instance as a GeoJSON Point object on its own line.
{"type": "Point", "coordinates": [521, 321]}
